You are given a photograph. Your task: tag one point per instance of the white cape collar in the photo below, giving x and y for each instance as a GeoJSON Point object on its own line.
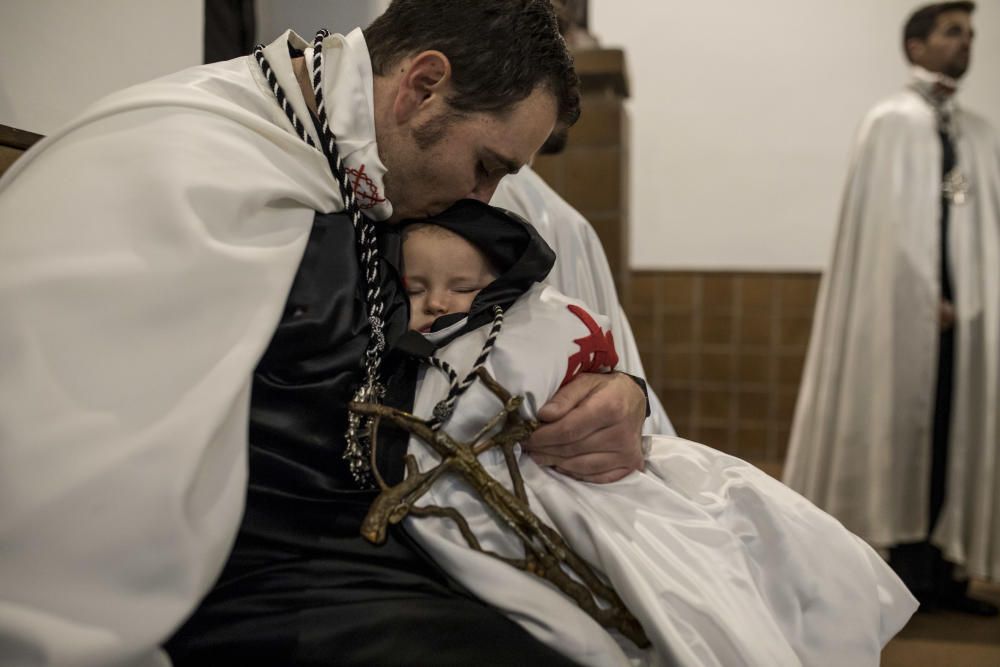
{"type": "Point", "coordinates": [937, 89]}
{"type": "Point", "coordinates": [348, 91]}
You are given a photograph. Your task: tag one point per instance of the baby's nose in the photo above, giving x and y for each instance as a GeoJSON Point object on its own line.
{"type": "Point", "coordinates": [437, 303]}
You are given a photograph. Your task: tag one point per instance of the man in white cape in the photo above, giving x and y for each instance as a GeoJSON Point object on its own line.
{"type": "Point", "coordinates": [897, 426]}
{"type": "Point", "coordinates": [152, 252]}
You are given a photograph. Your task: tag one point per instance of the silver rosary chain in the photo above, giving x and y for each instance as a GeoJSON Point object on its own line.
{"type": "Point", "coordinates": [955, 186]}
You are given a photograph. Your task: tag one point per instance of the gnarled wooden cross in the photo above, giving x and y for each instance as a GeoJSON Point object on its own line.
{"type": "Point", "coordinates": [546, 554]}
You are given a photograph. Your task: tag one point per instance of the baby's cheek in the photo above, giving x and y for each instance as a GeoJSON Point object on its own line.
{"type": "Point", "coordinates": [412, 303]}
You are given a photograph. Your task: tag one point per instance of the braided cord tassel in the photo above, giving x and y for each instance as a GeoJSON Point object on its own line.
{"type": "Point", "coordinates": [444, 408]}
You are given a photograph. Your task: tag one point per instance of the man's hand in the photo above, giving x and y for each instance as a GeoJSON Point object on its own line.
{"type": "Point", "coordinates": [592, 428]}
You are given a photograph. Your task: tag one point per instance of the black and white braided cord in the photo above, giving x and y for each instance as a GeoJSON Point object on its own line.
{"type": "Point", "coordinates": [444, 408]}
{"type": "Point", "coordinates": [279, 93]}
{"type": "Point", "coordinates": [357, 452]}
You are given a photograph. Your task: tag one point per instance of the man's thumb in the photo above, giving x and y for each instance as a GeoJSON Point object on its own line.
{"type": "Point", "coordinates": [567, 398]}
{"type": "Point", "coordinates": [554, 410]}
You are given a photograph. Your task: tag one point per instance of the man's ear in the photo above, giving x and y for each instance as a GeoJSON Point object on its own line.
{"type": "Point", "coordinates": [426, 75]}
{"type": "Point", "coordinates": [915, 49]}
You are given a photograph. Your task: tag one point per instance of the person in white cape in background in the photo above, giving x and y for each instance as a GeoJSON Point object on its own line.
{"type": "Point", "coordinates": [897, 426]}
{"type": "Point", "coordinates": [721, 564]}
{"type": "Point", "coordinates": [581, 270]}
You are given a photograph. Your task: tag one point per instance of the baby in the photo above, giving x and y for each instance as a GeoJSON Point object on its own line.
{"type": "Point", "coordinates": [442, 273]}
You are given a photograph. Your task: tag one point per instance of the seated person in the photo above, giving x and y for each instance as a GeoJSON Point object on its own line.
{"type": "Point", "coordinates": [720, 563]}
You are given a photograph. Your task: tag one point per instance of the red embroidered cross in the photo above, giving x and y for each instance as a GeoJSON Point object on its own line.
{"type": "Point", "coordinates": [364, 188]}
{"type": "Point", "coordinates": [597, 350]}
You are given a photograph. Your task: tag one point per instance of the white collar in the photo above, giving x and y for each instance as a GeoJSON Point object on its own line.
{"type": "Point", "coordinates": [938, 89]}
{"type": "Point", "coordinates": [348, 92]}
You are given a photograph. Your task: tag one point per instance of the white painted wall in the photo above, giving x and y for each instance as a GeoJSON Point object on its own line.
{"type": "Point", "coordinates": [743, 112]}
{"type": "Point", "coordinates": [743, 116]}
{"type": "Point", "coordinates": [58, 56]}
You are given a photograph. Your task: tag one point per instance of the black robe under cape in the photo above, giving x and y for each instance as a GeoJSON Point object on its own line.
{"type": "Point", "coordinates": [301, 586]}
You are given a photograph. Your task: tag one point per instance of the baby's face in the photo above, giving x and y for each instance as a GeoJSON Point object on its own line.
{"type": "Point", "coordinates": [443, 273]}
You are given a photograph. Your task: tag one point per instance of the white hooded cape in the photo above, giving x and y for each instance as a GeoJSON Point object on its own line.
{"type": "Point", "coordinates": [146, 252]}
{"type": "Point", "coordinates": [860, 442]}
{"type": "Point", "coordinates": [581, 270]}
{"type": "Point", "coordinates": [721, 564]}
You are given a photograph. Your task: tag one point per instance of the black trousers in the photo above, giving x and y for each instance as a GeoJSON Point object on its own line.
{"type": "Point", "coordinates": [349, 603]}
{"type": "Point", "coordinates": [921, 565]}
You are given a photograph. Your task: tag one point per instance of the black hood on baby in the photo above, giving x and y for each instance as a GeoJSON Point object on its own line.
{"type": "Point", "coordinates": [515, 248]}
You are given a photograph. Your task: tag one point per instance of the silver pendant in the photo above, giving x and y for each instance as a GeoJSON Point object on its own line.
{"type": "Point", "coordinates": [955, 187]}
{"type": "Point", "coordinates": [358, 451]}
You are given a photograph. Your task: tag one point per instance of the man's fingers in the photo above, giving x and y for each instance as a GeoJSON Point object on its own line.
{"type": "Point", "coordinates": [575, 427]}
{"type": "Point", "coordinates": [590, 467]}
{"type": "Point", "coordinates": [594, 460]}
{"type": "Point", "coordinates": [568, 397]}
{"type": "Point", "coordinates": [606, 477]}
{"type": "Point", "coordinates": [594, 408]}
{"type": "Point", "coordinates": [598, 438]}
{"type": "Point", "coordinates": [602, 439]}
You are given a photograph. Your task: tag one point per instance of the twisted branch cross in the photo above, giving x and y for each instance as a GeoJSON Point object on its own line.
{"type": "Point", "coordinates": [545, 551]}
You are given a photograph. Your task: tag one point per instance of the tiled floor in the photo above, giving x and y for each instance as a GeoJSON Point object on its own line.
{"type": "Point", "coordinates": [948, 640]}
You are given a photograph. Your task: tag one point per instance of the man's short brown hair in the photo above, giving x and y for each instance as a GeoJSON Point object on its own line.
{"type": "Point", "coordinates": [500, 50]}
